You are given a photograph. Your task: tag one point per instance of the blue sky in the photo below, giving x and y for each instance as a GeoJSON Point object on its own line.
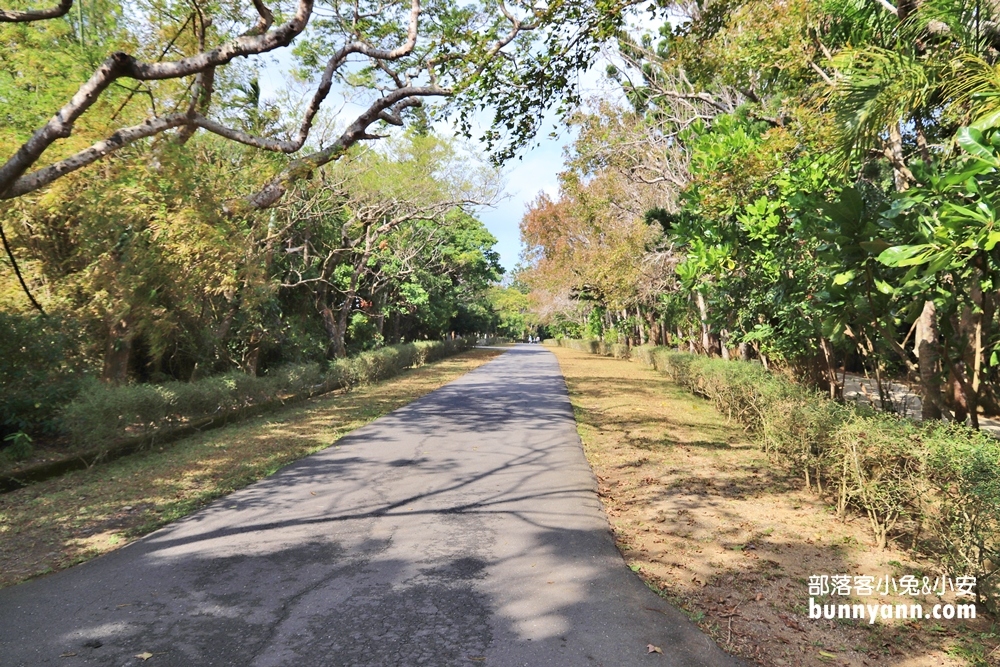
{"type": "Point", "coordinates": [534, 172]}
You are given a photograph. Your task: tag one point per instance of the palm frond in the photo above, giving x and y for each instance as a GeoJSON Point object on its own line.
{"type": "Point", "coordinates": [876, 88]}
{"type": "Point", "coordinates": [973, 87]}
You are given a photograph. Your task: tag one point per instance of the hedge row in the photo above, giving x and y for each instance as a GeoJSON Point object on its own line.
{"type": "Point", "coordinates": [932, 485]}
{"type": "Point", "coordinates": [102, 414]}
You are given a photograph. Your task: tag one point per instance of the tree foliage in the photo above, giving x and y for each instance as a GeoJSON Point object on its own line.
{"type": "Point", "coordinates": [826, 182]}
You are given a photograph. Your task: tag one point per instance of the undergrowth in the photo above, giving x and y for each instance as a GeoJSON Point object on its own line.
{"type": "Point", "coordinates": [102, 414]}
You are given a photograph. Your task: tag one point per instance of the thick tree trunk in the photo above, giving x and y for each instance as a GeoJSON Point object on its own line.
{"type": "Point", "coordinates": [329, 319]}
{"type": "Point", "coordinates": [340, 341]}
{"type": "Point", "coordinates": [251, 359]}
{"type": "Point", "coordinates": [956, 395]}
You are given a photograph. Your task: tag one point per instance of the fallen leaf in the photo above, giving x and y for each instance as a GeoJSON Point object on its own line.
{"type": "Point", "coordinates": [653, 649]}
{"type": "Point", "coordinates": [144, 656]}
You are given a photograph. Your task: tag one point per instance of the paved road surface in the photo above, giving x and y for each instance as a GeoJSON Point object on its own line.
{"type": "Point", "coordinates": [463, 529]}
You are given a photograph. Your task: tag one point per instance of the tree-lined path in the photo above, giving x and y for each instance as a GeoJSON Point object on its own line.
{"type": "Point", "coordinates": [462, 529]}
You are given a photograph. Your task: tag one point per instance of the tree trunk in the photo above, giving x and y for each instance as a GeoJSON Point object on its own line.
{"type": "Point", "coordinates": [251, 359]}
{"type": "Point", "coordinates": [340, 342]}
{"type": "Point", "coordinates": [118, 351]}
{"type": "Point", "coordinates": [836, 391]}
{"type": "Point", "coordinates": [330, 323]}
{"type": "Point", "coordinates": [928, 353]}
{"type": "Point", "coordinates": [902, 175]}
{"type": "Point", "coordinates": [707, 338]}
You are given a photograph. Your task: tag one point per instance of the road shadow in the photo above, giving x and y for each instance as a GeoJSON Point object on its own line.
{"type": "Point", "coordinates": [462, 529]}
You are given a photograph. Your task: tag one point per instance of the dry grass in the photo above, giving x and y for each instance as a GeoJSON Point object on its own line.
{"type": "Point", "coordinates": [60, 522]}
{"type": "Point", "coordinates": [700, 515]}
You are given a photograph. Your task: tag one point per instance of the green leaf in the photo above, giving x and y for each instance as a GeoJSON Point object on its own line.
{"type": "Point", "coordinates": [941, 261]}
{"type": "Point", "coordinates": [875, 247]}
{"type": "Point", "coordinates": [974, 143]}
{"type": "Point", "coordinates": [883, 287]}
{"type": "Point", "coordinates": [987, 122]}
{"type": "Point", "coordinates": [848, 210]}
{"type": "Point", "coordinates": [844, 278]}
{"type": "Point", "coordinates": [902, 255]}
{"type": "Point", "coordinates": [966, 212]}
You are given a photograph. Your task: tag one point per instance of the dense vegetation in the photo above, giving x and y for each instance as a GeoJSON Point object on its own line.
{"type": "Point", "coordinates": [156, 230]}
{"type": "Point", "coordinates": [811, 186]}
{"type": "Point", "coordinates": [809, 183]}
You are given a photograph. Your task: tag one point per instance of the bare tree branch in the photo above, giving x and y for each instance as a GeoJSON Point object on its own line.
{"type": "Point", "coordinates": [13, 16]}
{"type": "Point", "coordinates": [119, 65]}
{"type": "Point", "coordinates": [395, 102]}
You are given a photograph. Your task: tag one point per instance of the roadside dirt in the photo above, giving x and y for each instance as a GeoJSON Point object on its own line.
{"type": "Point", "coordinates": [700, 514]}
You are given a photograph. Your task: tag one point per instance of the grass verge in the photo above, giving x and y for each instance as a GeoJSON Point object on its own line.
{"type": "Point", "coordinates": [702, 517]}
{"type": "Point", "coordinates": [63, 521]}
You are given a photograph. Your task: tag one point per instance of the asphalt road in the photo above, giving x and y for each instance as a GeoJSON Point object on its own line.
{"type": "Point", "coordinates": [462, 529]}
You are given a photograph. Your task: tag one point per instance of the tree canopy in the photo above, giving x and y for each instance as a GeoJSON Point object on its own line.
{"type": "Point", "coordinates": [817, 183]}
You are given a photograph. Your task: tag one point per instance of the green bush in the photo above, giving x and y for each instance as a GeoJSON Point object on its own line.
{"type": "Point", "coordinates": [880, 461]}
{"type": "Point", "coordinates": [40, 372]}
{"type": "Point", "coordinates": [102, 414]}
{"type": "Point", "coordinates": [18, 446]}
{"type": "Point", "coordinates": [940, 480]}
{"type": "Point", "coordinates": [963, 470]}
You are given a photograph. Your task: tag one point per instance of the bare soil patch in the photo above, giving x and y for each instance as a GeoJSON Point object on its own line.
{"type": "Point", "coordinates": [63, 521]}
{"type": "Point", "coordinates": [700, 514]}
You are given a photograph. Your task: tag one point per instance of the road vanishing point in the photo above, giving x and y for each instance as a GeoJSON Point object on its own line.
{"type": "Point", "coordinates": [462, 529]}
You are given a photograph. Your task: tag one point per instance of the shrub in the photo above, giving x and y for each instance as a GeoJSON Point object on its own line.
{"type": "Point", "coordinates": [963, 469]}
{"type": "Point", "coordinates": [881, 466]}
{"type": "Point", "coordinates": [40, 372]}
{"type": "Point", "coordinates": [942, 478]}
{"type": "Point", "coordinates": [102, 414]}
{"type": "Point", "coordinates": [18, 446]}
